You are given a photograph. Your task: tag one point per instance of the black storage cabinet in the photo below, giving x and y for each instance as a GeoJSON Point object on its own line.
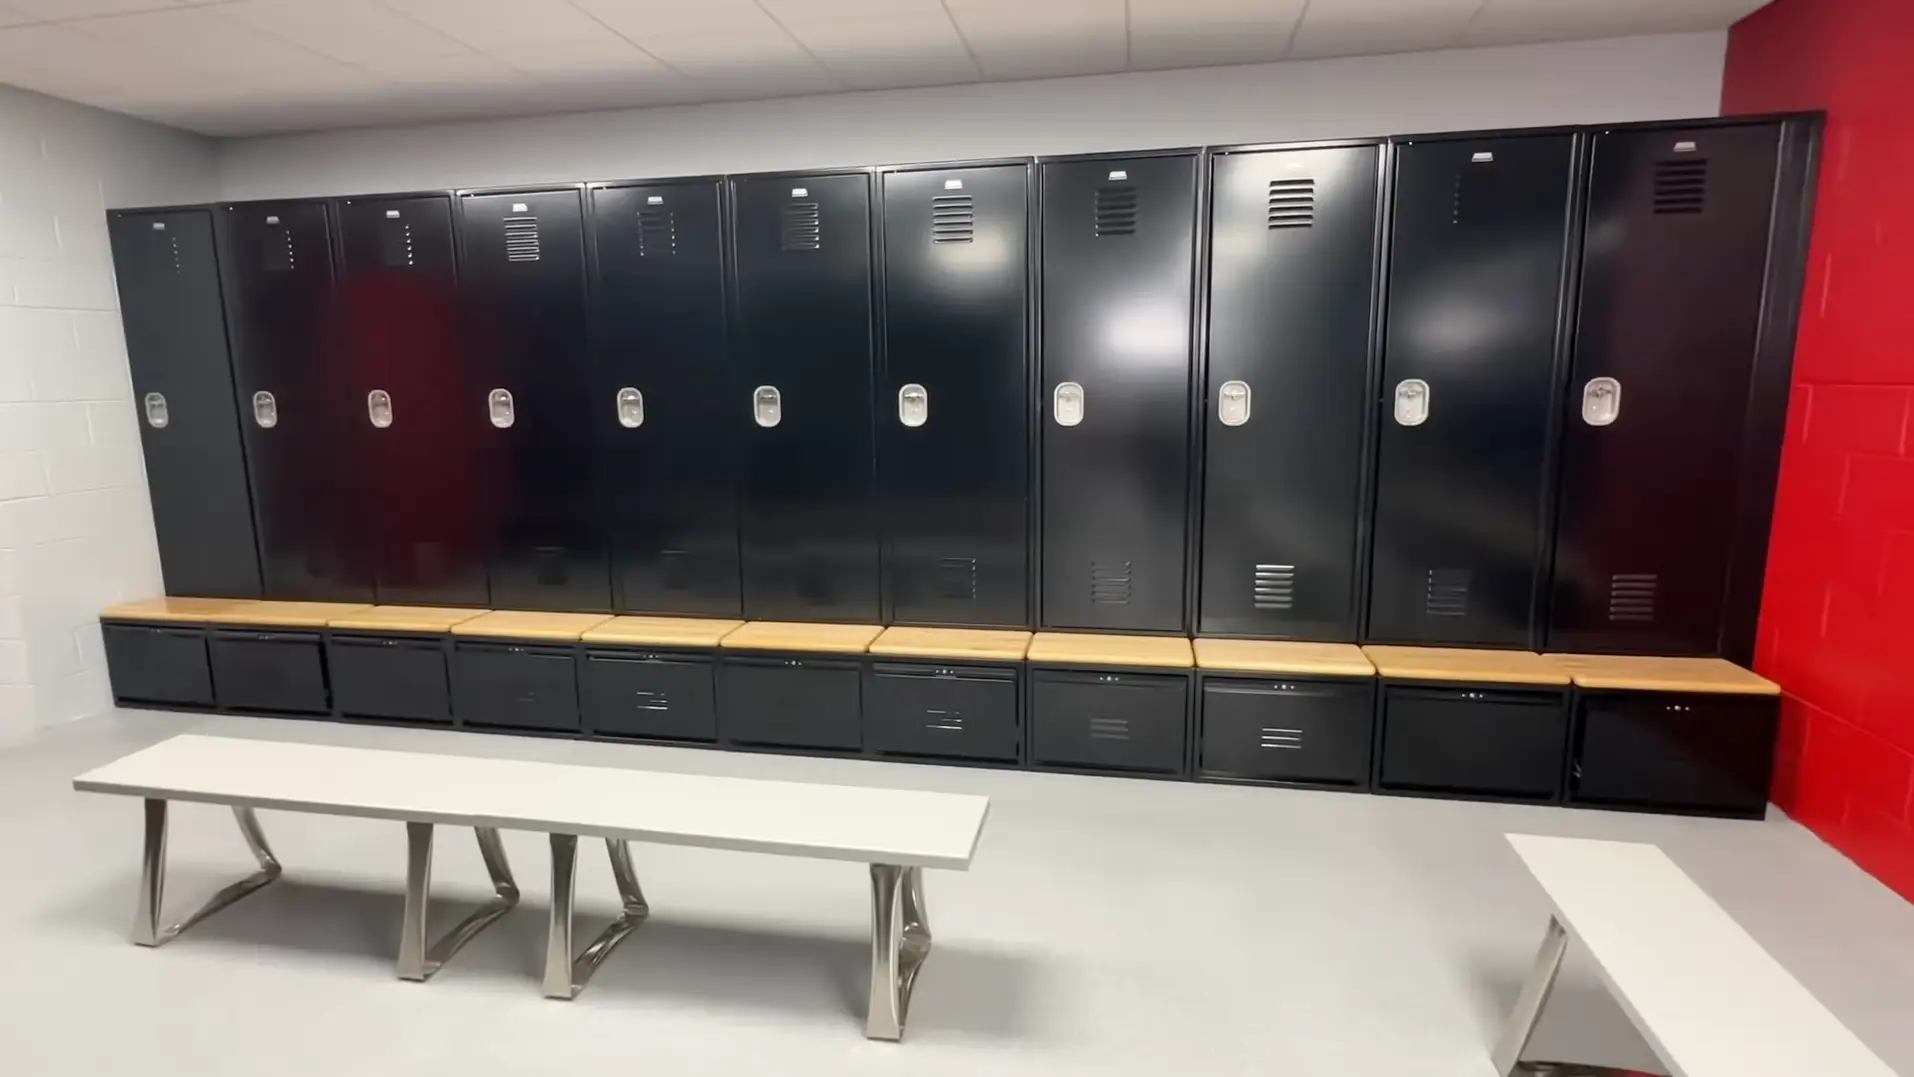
{"type": "Point", "coordinates": [390, 676]}
{"type": "Point", "coordinates": [1473, 331]}
{"type": "Point", "coordinates": [260, 669]}
{"type": "Point", "coordinates": [1472, 735]}
{"type": "Point", "coordinates": [1108, 713]}
{"type": "Point", "coordinates": [652, 678]}
{"type": "Point", "coordinates": [946, 694]}
{"type": "Point", "coordinates": [793, 686]}
{"type": "Point", "coordinates": [1274, 713]}
{"type": "Point", "coordinates": [802, 286]}
{"type": "Point", "coordinates": [1293, 271]}
{"type": "Point", "coordinates": [515, 685]}
{"type": "Point", "coordinates": [1118, 240]}
{"type": "Point", "coordinates": [168, 272]}
{"type": "Point", "coordinates": [527, 395]}
{"type": "Point", "coordinates": [953, 445]}
{"type": "Point", "coordinates": [163, 664]}
{"type": "Point", "coordinates": [664, 406]}
{"type": "Point", "coordinates": [414, 499]}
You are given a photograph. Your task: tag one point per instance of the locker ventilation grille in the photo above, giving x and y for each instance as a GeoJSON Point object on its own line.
{"type": "Point", "coordinates": [803, 230]}
{"type": "Point", "coordinates": [651, 701]}
{"type": "Point", "coordinates": [1275, 587]}
{"type": "Point", "coordinates": [521, 239]}
{"type": "Point", "coordinates": [952, 219]}
{"type": "Point", "coordinates": [1116, 210]}
{"type": "Point", "coordinates": [1681, 186]}
{"type": "Point", "coordinates": [276, 254]}
{"type": "Point", "coordinates": [657, 233]}
{"type": "Point", "coordinates": [395, 246]}
{"type": "Point", "coordinates": [1110, 583]}
{"type": "Point", "coordinates": [1447, 593]}
{"type": "Point", "coordinates": [957, 578]}
{"type": "Point", "coordinates": [1292, 203]}
{"type": "Point", "coordinates": [1631, 597]}
{"type": "Point", "coordinates": [1109, 729]}
{"type": "Point", "coordinates": [674, 570]}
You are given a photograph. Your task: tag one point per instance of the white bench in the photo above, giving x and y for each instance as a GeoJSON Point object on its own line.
{"type": "Point", "coordinates": [1703, 993]}
{"type": "Point", "coordinates": [897, 832]}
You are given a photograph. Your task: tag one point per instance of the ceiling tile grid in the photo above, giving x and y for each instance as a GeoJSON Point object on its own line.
{"type": "Point", "coordinates": [241, 67]}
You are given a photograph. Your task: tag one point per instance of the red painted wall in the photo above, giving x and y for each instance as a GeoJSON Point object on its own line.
{"type": "Point", "coordinates": [1837, 619]}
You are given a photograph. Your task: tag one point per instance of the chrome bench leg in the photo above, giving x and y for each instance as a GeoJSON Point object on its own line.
{"type": "Point", "coordinates": [146, 922]}
{"type": "Point", "coordinates": [566, 976]}
{"type": "Point", "coordinates": [900, 941]}
{"type": "Point", "coordinates": [417, 960]}
{"type": "Point", "coordinates": [1527, 1014]}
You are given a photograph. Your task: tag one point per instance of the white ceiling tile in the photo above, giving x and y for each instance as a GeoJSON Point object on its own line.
{"type": "Point", "coordinates": [642, 19]}
{"type": "Point", "coordinates": [1512, 22]}
{"type": "Point", "coordinates": [871, 53]}
{"type": "Point", "coordinates": [492, 25]}
{"type": "Point", "coordinates": [1014, 40]}
{"type": "Point", "coordinates": [737, 66]}
{"type": "Point", "coordinates": [610, 57]}
{"type": "Point", "coordinates": [80, 9]}
{"type": "Point", "coordinates": [1367, 27]}
{"type": "Point", "coordinates": [468, 68]}
{"type": "Point", "coordinates": [347, 30]}
{"type": "Point", "coordinates": [195, 39]}
{"type": "Point", "coordinates": [1197, 33]}
{"type": "Point", "coordinates": [796, 11]}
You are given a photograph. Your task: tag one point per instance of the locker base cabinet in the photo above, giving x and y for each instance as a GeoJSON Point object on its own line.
{"type": "Point", "coordinates": [1110, 719]}
{"type": "Point", "coordinates": [516, 686]}
{"type": "Point", "coordinates": [402, 678]}
{"type": "Point", "coordinates": [270, 672]}
{"type": "Point", "coordinates": [158, 664]}
{"type": "Point", "coordinates": [1286, 730]}
{"type": "Point", "coordinates": [1483, 740]}
{"type": "Point", "coordinates": [649, 694]}
{"type": "Point", "coordinates": [943, 711]}
{"type": "Point", "coordinates": [1665, 751]}
{"type": "Point", "coordinates": [791, 701]}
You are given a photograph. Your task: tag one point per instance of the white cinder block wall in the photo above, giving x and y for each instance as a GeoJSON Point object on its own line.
{"type": "Point", "coordinates": [76, 528]}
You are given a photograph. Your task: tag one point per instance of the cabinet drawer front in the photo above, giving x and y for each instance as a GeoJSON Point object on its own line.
{"type": "Point", "coordinates": [1117, 721]}
{"type": "Point", "coordinates": [1696, 752]}
{"type": "Point", "coordinates": [795, 703]}
{"type": "Point", "coordinates": [515, 687]}
{"type": "Point", "coordinates": [649, 696]}
{"type": "Point", "coordinates": [390, 678]}
{"type": "Point", "coordinates": [1297, 731]}
{"type": "Point", "coordinates": [1497, 743]}
{"type": "Point", "coordinates": [948, 713]}
{"type": "Point", "coordinates": [158, 665]}
{"type": "Point", "coordinates": [269, 671]}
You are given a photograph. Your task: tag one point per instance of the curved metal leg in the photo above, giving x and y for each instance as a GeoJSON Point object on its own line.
{"type": "Point", "coordinates": [900, 941]}
{"type": "Point", "coordinates": [417, 960]}
{"type": "Point", "coordinates": [566, 976]}
{"type": "Point", "coordinates": [146, 921]}
{"type": "Point", "coordinates": [1528, 1013]}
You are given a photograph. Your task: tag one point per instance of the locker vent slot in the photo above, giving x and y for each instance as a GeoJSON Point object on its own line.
{"type": "Point", "coordinates": [1116, 210]}
{"type": "Point", "coordinates": [1109, 729]}
{"type": "Point", "coordinates": [953, 219]}
{"type": "Point", "coordinates": [1681, 186]}
{"type": "Point", "coordinates": [276, 254]}
{"type": "Point", "coordinates": [803, 230]}
{"type": "Point", "coordinates": [674, 570]}
{"type": "Point", "coordinates": [395, 245]}
{"type": "Point", "coordinates": [943, 721]}
{"type": "Point", "coordinates": [1110, 583]}
{"type": "Point", "coordinates": [521, 239]}
{"type": "Point", "coordinates": [1292, 203]}
{"type": "Point", "coordinates": [651, 701]}
{"type": "Point", "coordinates": [1276, 737]}
{"type": "Point", "coordinates": [1275, 587]}
{"type": "Point", "coordinates": [957, 578]}
{"type": "Point", "coordinates": [1447, 594]}
{"type": "Point", "coordinates": [1631, 597]}
{"type": "Point", "coordinates": [548, 566]}
{"type": "Point", "coordinates": [657, 233]}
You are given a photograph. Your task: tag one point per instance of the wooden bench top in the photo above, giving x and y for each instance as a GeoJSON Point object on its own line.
{"type": "Point", "coordinates": [1699, 988]}
{"type": "Point", "coordinates": [288, 614]}
{"type": "Point", "coordinates": [662, 631]}
{"type": "Point", "coordinates": [887, 826]}
{"type": "Point", "coordinates": [802, 636]}
{"type": "Point", "coordinates": [1081, 648]}
{"type": "Point", "coordinates": [516, 624]}
{"type": "Point", "coordinates": [992, 644]}
{"type": "Point", "coordinates": [1459, 664]}
{"type": "Point", "coordinates": [405, 619]}
{"type": "Point", "coordinates": [193, 610]}
{"type": "Point", "coordinates": [1644, 674]}
{"type": "Point", "coordinates": [1279, 656]}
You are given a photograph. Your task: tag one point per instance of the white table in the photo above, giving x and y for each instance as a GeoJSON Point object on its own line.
{"type": "Point", "coordinates": [897, 832]}
{"type": "Point", "coordinates": [1699, 988]}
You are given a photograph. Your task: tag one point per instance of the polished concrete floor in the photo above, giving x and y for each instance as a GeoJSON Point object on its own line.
{"type": "Point", "coordinates": [1107, 927]}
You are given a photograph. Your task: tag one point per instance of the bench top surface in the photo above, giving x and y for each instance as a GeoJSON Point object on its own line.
{"type": "Point", "coordinates": [526, 624]}
{"type": "Point", "coordinates": [802, 636]}
{"type": "Point", "coordinates": [405, 618]}
{"type": "Point", "coordinates": [1006, 645]}
{"type": "Point", "coordinates": [1461, 664]}
{"type": "Point", "coordinates": [663, 631]}
{"type": "Point", "coordinates": [1638, 673]}
{"type": "Point", "coordinates": [1083, 648]}
{"type": "Point", "coordinates": [1282, 656]}
{"type": "Point", "coordinates": [1703, 992]}
{"type": "Point", "coordinates": [890, 826]}
{"type": "Point", "coordinates": [174, 609]}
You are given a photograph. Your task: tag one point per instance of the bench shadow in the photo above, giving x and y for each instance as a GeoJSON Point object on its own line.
{"type": "Point", "coordinates": [1582, 1022]}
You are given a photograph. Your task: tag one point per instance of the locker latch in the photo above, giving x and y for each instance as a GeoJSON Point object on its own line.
{"type": "Point", "coordinates": [265, 410]}
{"type": "Point", "coordinates": [1601, 401]}
{"type": "Point", "coordinates": [499, 405]}
{"type": "Point", "coordinates": [631, 408]}
{"type": "Point", "coordinates": [767, 406]}
{"type": "Point", "coordinates": [1067, 403]}
{"type": "Point", "coordinates": [379, 408]}
{"type": "Point", "coordinates": [156, 416]}
{"type": "Point", "coordinates": [913, 405]}
{"type": "Point", "coordinates": [1412, 402]}
{"type": "Point", "coordinates": [1232, 403]}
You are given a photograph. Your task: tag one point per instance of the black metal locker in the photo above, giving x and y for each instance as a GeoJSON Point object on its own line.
{"type": "Point", "coordinates": [1292, 276]}
{"type": "Point", "coordinates": [1673, 271]}
{"type": "Point", "coordinates": [183, 386]}
{"type": "Point", "coordinates": [953, 449]}
{"type": "Point", "coordinates": [1480, 239]}
{"type": "Point", "coordinates": [802, 395]}
{"type": "Point", "coordinates": [663, 397]}
{"type": "Point", "coordinates": [522, 277]}
{"type": "Point", "coordinates": [414, 493]}
{"type": "Point", "coordinates": [276, 267]}
{"type": "Point", "coordinates": [1118, 251]}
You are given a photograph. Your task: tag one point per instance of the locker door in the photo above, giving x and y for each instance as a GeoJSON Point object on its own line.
{"type": "Point", "coordinates": [663, 398]}
{"type": "Point", "coordinates": [276, 266]}
{"type": "Point", "coordinates": [522, 277]}
{"type": "Point", "coordinates": [803, 394]}
{"type": "Point", "coordinates": [1480, 236]}
{"type": "Point", "coordinates": [1672, 277]}
{"type": "Point", "coordinates": [417, 474]}
{"type": "Point", "coordinates": [953, 429]}
{"type": "Point", "coordinates": [1118, 239]}
{"type": "Point", "coordinates": [183, 387]}
{"type": "Point", "coordinates": [1292, 266]}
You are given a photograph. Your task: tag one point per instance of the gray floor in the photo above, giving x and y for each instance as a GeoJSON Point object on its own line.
{"type": "Point", "coordinates": [1108, 926]}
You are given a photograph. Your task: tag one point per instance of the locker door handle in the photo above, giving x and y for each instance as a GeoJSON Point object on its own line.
{"type": "Point", "coordinates": [1412, 402]}
{"type": "Point", "coordinates": [501, 409]}
{"type": "Point", "coordinates": [265, 410]}
{"type": "Point", "coordinates": [1232, 403]}
{"type": "Point", "coordinates": [1067, 403]}
{"type": "Point", "coordinates": [767, 406]}
{"type": "Point", "coordinates": [156, 414]}
{"type": "Point", "coordinates": [631, 408]}
{"type": "Point", "coordinates": [1601, 401]}
{"type": "Point", "coordinates": [379, 408]}
{"type": "Point", "coordinates": [913, 405]}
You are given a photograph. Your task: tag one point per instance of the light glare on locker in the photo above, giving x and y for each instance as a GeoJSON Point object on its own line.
{"type": "Point", "coordinates": [1601, 401]}
{"type": "Point", "coordinates": [1412, 402]}
{"type": "Point", "coordinates": [498, 404]}
{"type": "Point", "coordinates": [1232, 403]}
{"type": "Point", "coordinates": [631, 408]}
{"type": "Point", "coordinates": [156, 416]}
{"type": "Point", "coordinates": [1067, 403]}
{"type": "Point", "coordinates": [913, 405]}
{"type": "Point", "coordinates": [265, 410]}
{"type": "Point", "coordinates": [379, 408]}
{"type": "Point", "coordinates": [767, 406]}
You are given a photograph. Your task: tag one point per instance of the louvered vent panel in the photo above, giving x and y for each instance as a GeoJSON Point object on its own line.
{"type": "Point", "coordinates": [276, 253]}
{"type": "Point", "coordinates": [1275, 587]}
{"type": "Point", "coordinates": [953, 219]}
{"type": "Point", "coordinates": [1292, 203]}
{"type": "Point", "coordinates": [395, 245]}
{"type": "Point", "coordinates": [956, 578]}
{"type": "Point", "coordinates": [657, 233]}
{"type": "Point", "coordinates": [1681, 186]}
{"type": "Point", "coordinates": [1110, 583]}
{"type": "Point", "coordinates": [1116, 210]}
{"type": "Point", "coordinates": [1631, 597]}
{"type": "Point", "coordinates": [803, 228]}
{"type": "Point", "coordinates": [1447, 593]}
{"type": "Point", "coordinates": [651, 701]}
{"type": "Point", "coordinates": [521, 239]}
{"type": "Point", "coordinates": [1109, 729]}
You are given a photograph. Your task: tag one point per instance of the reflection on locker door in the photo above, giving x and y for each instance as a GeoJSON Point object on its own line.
{"type": "Point", "coordinates": [183, 387]}
{"type": "Point", "coordinates": [1292, 266]}
{"type": "Point", "coordinates": [802, 390]}
{"type": "Point", "coordinates": [1480, 237]}
{"type": "Point", "coordinates": [417, 471]}
{"type": "Point", "coordinates": [953, 446]}
{"type": "Point", "coordinates": [522, 276]}
{"type": "Point", "coordinates": [276, 269]}
{"type": "Point", "coordinates": [1118, 243]}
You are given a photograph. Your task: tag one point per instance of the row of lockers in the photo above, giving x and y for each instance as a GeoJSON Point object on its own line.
{"type": "Point", "coordinates": [1490, 389]}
